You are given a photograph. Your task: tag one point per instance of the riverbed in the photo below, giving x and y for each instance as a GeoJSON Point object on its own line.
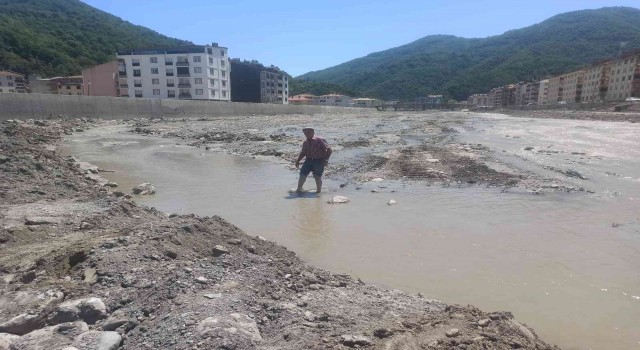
{"type": "Point", "coordinates": [564, 262]}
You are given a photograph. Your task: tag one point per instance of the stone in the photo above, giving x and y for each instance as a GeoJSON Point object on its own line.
{"type": "Point", "coordinates": [433, 160]}
{"type": "Point", "coordinates": [171, 254]}
{"type": "Point", "coordinates": [54, 337]}
{"type": "Point", "coordinates": [484, 322]}
{"type": "Point", "coordinates": [90, 275]}
{"type": "Point", "coordinates": [119, 319]}
{"type": "Point", "coordinates": [391, 202]}
{"type": "Point", "coordinates": [338, 200]}
{"type": "Point", "coordinates": [42, 220]}
{"type": "Point", "coordinates": [528, 148]}
{"type": "Point", "coordinates": [453, 332]}
{"type": "Point", "coordinates": [235, 241]}
{"type": "Point", "coordinates": [6, 339]}
{"type": "Point", "coordinates": [28, 277]}
{"type": "Point", "coordinates": [144, 189]}
{"type": "Point", "coordinates": [374, 191]}
{"type": "Point", "coordinates": [383, 332]}
{"type": "Point", "coordinates": [110, 184]}
{"type": "Point", "coordinates": [355, 340]}
{"type": "Point", "coordinates": [22, 324]}
{"type": "Point", "coordinates": [97, 340]}
{"type": "Point", "coordinates": [212, 295]}
{"type": "Point", "coordinates": [89, 310]}
{"type": "Point", "coordinates": [377, 179]}
{"type": "Point", "coordinates": [235, 323]}
{"type": "Point", "coordinates": [202, 280]}
{"type": "Point", "coordinates": [219, 250]}
{"type": "Point", "coordinates": [86, 225]}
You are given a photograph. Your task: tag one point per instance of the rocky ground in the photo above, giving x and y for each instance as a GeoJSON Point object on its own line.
{"type": "Point", "coordinates": [83, 267]}
{"type": "Point", "coordinates": [631, 115]}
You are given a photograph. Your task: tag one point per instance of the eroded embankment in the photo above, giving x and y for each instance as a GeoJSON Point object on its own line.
{"type": "Point", "coordinates": [81, 265]}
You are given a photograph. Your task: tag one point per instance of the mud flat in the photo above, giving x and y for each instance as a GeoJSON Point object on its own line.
{"type": "Point", "coordinates": [82, 266]}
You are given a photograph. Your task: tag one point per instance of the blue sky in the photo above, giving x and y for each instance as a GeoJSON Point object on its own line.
{"type": "Point", "coordinates": [301, 36]}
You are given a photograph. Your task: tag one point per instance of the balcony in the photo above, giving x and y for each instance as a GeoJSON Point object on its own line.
{"type": "Point", "coordinates": [169, 74]}
{"type": "Point", "coordinates": [170, 85]}
{"type": "Point", "coordinates": [171, 95]}
{"type": "Point", "coordinates": [183, 75]}
{"type": "Point", "coordinates": [139, 96]}
{"type": "Point", "coordinates": [124, 85]}
{"type": "Point", "coordinates": [168, 63]}
{"type": "Point", "coordinates": [137, 85]}
{"type": "Point", "coordinates": [137, 74]}
{"type": "Point", "coordinates": [182, 63]}
{"type": "Point", "coordinates": [184, 96]}
{"type": "Point", "coordinates": [184, 85]}
{"type": "Point", "coordinates": [122, 74]}
{"type": "Point", "coordinates": [135, 64]}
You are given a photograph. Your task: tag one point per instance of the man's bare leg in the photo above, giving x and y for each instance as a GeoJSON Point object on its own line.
{"type": "Point", "coordinates": [318, 183]}
{"type": "Point", "coordinates": [301, 181]}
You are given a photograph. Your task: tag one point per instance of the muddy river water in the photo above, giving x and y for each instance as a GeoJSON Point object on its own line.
{"type": "Point", "coordinates": [567, 264]}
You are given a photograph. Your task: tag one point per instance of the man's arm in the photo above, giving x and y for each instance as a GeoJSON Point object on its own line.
{"type": "Point", "coordinates": [300, 156]}
{"type": "Point", "coordinates": [329, 151]}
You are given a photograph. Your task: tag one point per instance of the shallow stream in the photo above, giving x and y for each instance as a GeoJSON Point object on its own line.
{"type": "Point", "coordinates": [566, 264]}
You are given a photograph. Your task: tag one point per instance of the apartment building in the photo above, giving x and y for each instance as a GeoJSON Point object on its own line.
{"type": "Point", "coordinates": [58, 85]}
{"type": "Point", "coordinates": [527, 93]}
{"type": "Point", "coordinates": [274, 88]}
{"type": "Point", "coordinates": [596, 82]}
{"type": "Point", "coordinates": [572, 87]}
{"type": "Point", "coordinates": [333, 100]}
{"type": "Point", "coordinates": [198, 72]}
{"type": "Point", "coordinates": [624, 80]}
{"type": "Point", "coordinates": [430, 99]}
{"type": "Point", "coordinates": [11, 82]}
{"type": "Point", "coordinates": [101, 80]}
{"type": "Point", "coordinates": [543, 91]}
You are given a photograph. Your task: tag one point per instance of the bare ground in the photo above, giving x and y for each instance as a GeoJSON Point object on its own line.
{"type": "Point", "coordinates": [187, 282]}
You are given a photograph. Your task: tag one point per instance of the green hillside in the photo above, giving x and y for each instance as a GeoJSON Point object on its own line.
{"type": "Point", "coordinates": [61, 37]}
{"type": "Point", "coordinates": [459, 67]}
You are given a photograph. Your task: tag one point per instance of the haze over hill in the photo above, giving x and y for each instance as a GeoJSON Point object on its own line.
{"type": "Point", "coordinates": [459, 67]}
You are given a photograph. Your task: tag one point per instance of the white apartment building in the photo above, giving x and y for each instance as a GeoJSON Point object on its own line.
{"type": "Point", "coordinates": [197, 72]}
{"type": "Point", "coordinates": [11, 82]}
{"type": "Point", "coordinates": [624, 80]}
{"type": "Point", "coordinates": [543, 90]}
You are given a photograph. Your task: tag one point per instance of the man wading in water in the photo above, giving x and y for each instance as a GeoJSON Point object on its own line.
{"type": "Point", "coordinates": [317, 152]}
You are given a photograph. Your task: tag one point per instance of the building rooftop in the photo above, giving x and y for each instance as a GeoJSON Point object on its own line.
{"type": "Point", "coordinates": [167, 50]}
{"type": "Point", "coordinates": [8, 73]}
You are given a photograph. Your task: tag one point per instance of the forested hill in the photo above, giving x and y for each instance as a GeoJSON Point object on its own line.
{"type": "Point", "coordinates": [61, 37]}
{"type": "Point", "coordinates": [459, 67]}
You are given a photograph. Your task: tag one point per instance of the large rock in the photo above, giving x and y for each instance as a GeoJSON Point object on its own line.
{"type": "Point", "coordinates": [54, 337]}
{"type": "Point", "coordinates": [144, 189]}
{"type": "Point", "coordinates": [119, 319]}
{"type": "Point", "coordinates": [6, 339]}
{"type": "Point", "coordinates": [95, 340]}
{"type": "Point", "coordinates": [338, 200]}
{"type": "Point", "coordinates": [22, 324]}
{"type": "Point", "coordinates": [235, 323]}
{"type": "Point", "coordinates": [89, 310]}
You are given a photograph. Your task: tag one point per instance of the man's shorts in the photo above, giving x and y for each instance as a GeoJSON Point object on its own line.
{"type": "Point", "coordinates": [312, 165]}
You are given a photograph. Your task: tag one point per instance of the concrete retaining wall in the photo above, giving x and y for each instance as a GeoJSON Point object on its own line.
{"type": "Point", "coordinates": [40, 106]}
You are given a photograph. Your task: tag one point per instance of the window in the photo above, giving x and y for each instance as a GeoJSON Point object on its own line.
{"type": "Point", "coordinates": [136, 73]}
{"type": "Point", "coordinates": [224, 94]}
{"type": "Point", "coordinates": [213, 93]}
{"type": "Point", "coordinates": [169, 72]}
{"type": "Point", "coordinates": [138, 93]}
{"type": "Point", "coordinates": [198, 80]}
{"type": "Point", "coordinates": [137, 83]}
{"type": "Point", "coordinates": [156, 92]}
{"type": "Point", "coordinates": [183, 71]}
{"type": "Point", "coordinates": [77, 87]}
{"type": "Point", "coordinates": [224, 83]}
{"type": "Point", "coordinates": [0, 90]}
{"type": "Point", "coordinates": [212, 82]}
{"type": "Point", "coordinates": [197, 59]}
{"type": "Point", "coordinates": [155, 81]}
{"type": "Point", "coordinates": [209, 51]}
{"type": "Point", "coordinates": [168, 61]}
{"type": "Point", "coordinates": [199, 92]}
{"type": "Point", "coordinates": [9, 78]}
{"type": "Point", "coordinates": [224, 74]}
{"type": "Point", "coordinates": [154, 70]}
{"type": "Point", "coordinates": [210, 60]}
{"type": "Point", "coordinates": [171, 93]}
{"type": "Point", "coordinates": [170, 82]}
{"type": "Point", "coordinates": [212, 71]}
{"type": "Point", "coordinates": [11, 84]}
{"type": "Point", "coordinates": [222, 63]}
{"type": "Point", "coordinates": [153, 59]}
{"type": "Point", "coordinates": [135, 61]}
{"type": "Point", "coordinates": [222, 53]}
{"type": "Point", "coordinates": [197, 69]}
{"type": "Point", "coordinates": [11, 90]}
{"type": "Point", "coordinates": [68, 86]}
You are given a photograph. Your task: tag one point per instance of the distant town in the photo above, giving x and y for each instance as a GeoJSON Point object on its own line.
{"type": "Point", "coordinates": [204, 72]}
